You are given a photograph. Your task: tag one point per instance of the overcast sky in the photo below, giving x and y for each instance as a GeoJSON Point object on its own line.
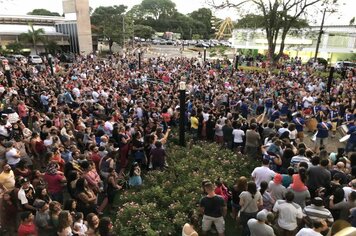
{"type": "Point", "coordinates": [21, 7]}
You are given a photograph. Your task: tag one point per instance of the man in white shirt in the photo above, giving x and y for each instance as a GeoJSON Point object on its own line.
{"type": "Point", "coordinates": [349, 189]}
{"type": "Point", "coordinates": [95, 96]}
{"type": "Point", "coordinates": [238, 136]}
{"type": "Point", "coordinates": [12, 155]}
{"type": "Point", "coordinates": [262, 173]}
{"type": "Point", "coordinates": [318, 227]}
{"type": "Point", "coordinates": [289, 215]}
{"type": "Point", "coordinates": [308, 100]}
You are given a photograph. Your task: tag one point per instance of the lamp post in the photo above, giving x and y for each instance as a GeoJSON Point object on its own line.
{"type": "Point", "coordinates": [50, 63]}
{"type": "Point", "coordinates": [123, 31]}
{"type": "Point", "coordinates": [139, 59]}
{"type": "Point", "coordinates": [237, 58]}
{"type": "Point", "coordinates": [204, 54]}
{"type": "Point", "coordinates": [7, 72]}
{"type": "Point", "coordinates": [182, 88]}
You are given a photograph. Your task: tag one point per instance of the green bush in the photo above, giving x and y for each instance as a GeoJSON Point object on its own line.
{"type": "Point", "coordinates": [162, 205]}
{"type": "Point", "coordinates": [321, 74]}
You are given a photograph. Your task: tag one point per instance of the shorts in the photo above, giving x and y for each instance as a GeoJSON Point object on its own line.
{"type": "Point", "coordinates": [333, 126]}
{"type": "Point", "coordinates": [321, 141]}
{"type": "Point", "coordinates": [219, 223]}
{"type": "Point", "coordinates": [300, 135]}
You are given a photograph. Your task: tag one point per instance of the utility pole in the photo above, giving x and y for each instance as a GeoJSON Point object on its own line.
{"type": "Point", "coordinates": [319, 37]}
{"type": "Point", "coordinates": [123, 31]}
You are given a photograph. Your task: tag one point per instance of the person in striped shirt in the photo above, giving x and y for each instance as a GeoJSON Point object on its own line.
{"type": "Point", "coordinates": [317, 212]}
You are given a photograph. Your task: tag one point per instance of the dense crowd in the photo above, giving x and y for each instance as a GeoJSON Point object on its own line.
{"type": "Point", "coordinates": [70, 142]}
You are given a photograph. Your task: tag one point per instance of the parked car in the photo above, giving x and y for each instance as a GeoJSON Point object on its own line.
{"type": "Point", "coordinates": [202, 45]}
{"type": "Point", "coordinates": [321, 61]}
{"type": "Point", "coordinates": [163, 42]}
{"type": "Point", "coordinates": [344, 65]}
{"type": "Point", "coordinates": [2, 60]}
{"type": "Point", "coordinates": [156, 41]}
{"type": "Point", "coordinates": [67, 57]}
{"type": "Point", "coordinates": [169, 42]}
{"type": "Point", "coordinates": [35, 59]}
{"type": "Point", "coordinates": [17, 58]}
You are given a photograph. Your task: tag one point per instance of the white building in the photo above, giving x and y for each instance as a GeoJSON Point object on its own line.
{"type": "Point", "coordinates": [337, 42]}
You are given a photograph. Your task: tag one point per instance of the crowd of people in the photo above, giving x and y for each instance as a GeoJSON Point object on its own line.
{"type": "Point", "coordinates": [70, 141]}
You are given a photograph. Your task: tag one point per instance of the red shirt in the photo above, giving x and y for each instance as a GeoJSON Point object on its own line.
{"type": "Point", "coordinates": [95, 157]}
{"type": "Point", "coordinates": [22, 110]}
{"type": "Point", "coordinates": [26, 230]}
{"type": "Point", "coordinates": [54, 183]}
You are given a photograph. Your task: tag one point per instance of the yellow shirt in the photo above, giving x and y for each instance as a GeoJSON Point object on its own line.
{"type": "Point", "coordinates": [194, 122]}
{"type": "Point", "coordinates": [8, 180]}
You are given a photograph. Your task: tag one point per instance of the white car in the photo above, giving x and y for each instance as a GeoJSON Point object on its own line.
{"type": "Point", "coordinates": [35, 59]}
{"type": "Point", "coordinates": [340, 65]}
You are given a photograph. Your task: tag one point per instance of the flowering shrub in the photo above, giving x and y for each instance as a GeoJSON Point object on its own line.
{"type": "Point", "coordinates": [161, 206]}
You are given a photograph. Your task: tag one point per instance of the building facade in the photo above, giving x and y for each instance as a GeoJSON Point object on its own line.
{"type": "Point", "coordinates": [11, 27]}
{"type": "Point", "coordinates": [337, 42]}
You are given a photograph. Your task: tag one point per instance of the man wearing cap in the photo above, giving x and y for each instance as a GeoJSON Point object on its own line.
{"type": "Point", "coordinates": [26, 195]}
{"type": "Point", "coordinates": [317, 212]}
{"type": "Point", "coordinates": [258, 226]}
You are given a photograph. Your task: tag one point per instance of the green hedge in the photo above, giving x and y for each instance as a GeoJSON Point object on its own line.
{"type": "Point", "coordinates": [161, 206]}
{"type": "Point", "coordinates": [276, 71]}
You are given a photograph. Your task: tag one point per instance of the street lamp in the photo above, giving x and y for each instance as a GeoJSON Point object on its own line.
{"type": "Point", "coordinates": [139, 59]}
{"type": "Point", "coordinates": [237, 58]}
{"type": "Point", "coordinates": [7, 72]}
{"type": "Point", "coordinates": [182, 88]}
{"type": "Point", "coordinates": [204, 54]}
{"type": "Point", "coordinates": [50, 63]}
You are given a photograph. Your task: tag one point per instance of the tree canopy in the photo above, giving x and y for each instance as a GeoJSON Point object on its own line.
{"type": "Point", "coordinates": [158, 8]}
{"type": "Point", "coordinates": [43, 12]}
{"type": "Point", "coordinates": [111, 23]}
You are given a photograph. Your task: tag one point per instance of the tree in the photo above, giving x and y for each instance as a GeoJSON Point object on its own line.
{"type": "Point", "coordinates": [250, 21]}
{"type": "Point", "coordinates": [33, 36]}
{"type": "Point", "coordinates": [43, 12]}
{"type": "Point", "coordinates": [111, 23]}
{"type": "Point", "coordinates": [15, 47]}
{"type": "Point", "coordinates": [204, 16]}
{"type": "Point", "coordinates": [158, 8]}
{"type": "Point", "coordinates": [51, 46]}
{"type": "Point", "coordinates": [279, 17]}
{"type": "Point", "coordinates": [143, 31]}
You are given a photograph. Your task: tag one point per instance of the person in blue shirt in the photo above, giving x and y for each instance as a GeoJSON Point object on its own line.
{"type": "Point", "coordinates": [299, 126]}
{"type": "Point", "coordinates": [322, 135]}
{"type": "Point", "coordinates": [268, 106]}
{"type": "Point", "coordinates": [285, 112]}
{"type": "Point", "coordinates": [244, 108]}
{"type": "Point", "coordinates": [317, 112]}
{"type": "Point", "coordinates": [275, 114]}
{"type": "Point", "coordinates": [348, 118]}
{"type": "Point", "coordinates": [351, 143]}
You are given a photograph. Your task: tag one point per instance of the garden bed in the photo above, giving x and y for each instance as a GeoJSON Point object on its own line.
{"type": "Point", "coordinates": [162, 205]}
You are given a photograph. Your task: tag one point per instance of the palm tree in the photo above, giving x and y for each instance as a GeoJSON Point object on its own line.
{"type": "Point", "coordinates": [33, 36]}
